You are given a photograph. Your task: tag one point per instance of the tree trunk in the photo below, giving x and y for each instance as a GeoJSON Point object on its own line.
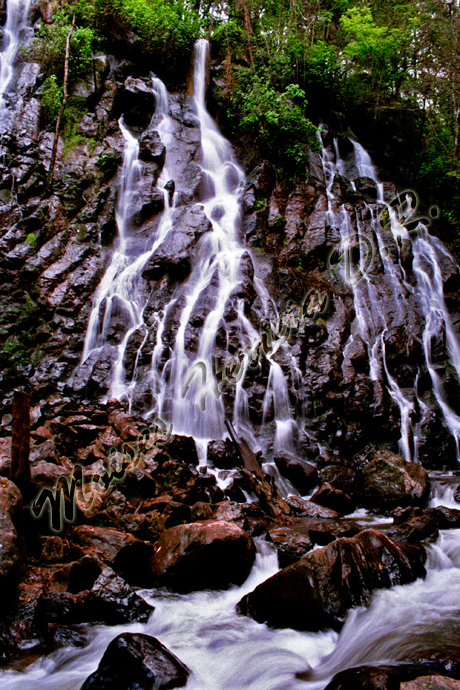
{"type": "Point", "coordinates": [20, 442]}
{"type": "Point", "coordinates": [65, 98]}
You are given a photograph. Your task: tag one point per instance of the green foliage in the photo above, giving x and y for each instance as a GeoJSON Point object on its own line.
{"type": "Point", "coordinates": [51, 99]}
{"type": "Point", "coordinates": [31, 239]}
{"type": "Point", "coordinates": [50, 46]}
{"type": "Point", "coordinates": [166, 29]}
{"type": "Point", "coordinates": [276, 120]}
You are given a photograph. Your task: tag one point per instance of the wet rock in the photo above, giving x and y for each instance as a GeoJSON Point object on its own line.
{"type": "Point", "coordinates": [112, 601]}
{"type": "Point", "coordinates": [443, 659]}
{"type": "Point", "coordinates": [367, 187]}
{"type": "Point", "coordinates": [134, 660]}
{"type": "Point", "coordinates": [330, 497]}
{"type": "Point", "coordinates": [203, 555]}
{"type": "Point", "coordinates": [137, 103]}
{"type": "Point", "coordinates": [77, 576]}
{"type": "Point", "coordinates": [302, 507]}
{"type": "Point", "coordinates": [343, 478]}
{"type": "Point", "coordinates": [303, 475]}
{"type": "Point", "coordinates": [59, 608]}
{"type": "Point", "coordinates": [223, 455]}
{"type": "Point", "coordinates": [184, 448]}
{"type": "Point", "coordinates": [431, 683]}
{"type": "Point", "coordinates": [58, 636]}
{"type": "Point", "coordinates": [317, 591]}
{"type": "Point", "coordinates": [152, 149]}
{"type": "Point", "coordinates": [388, 482]}
{"type": "Point", "coordinates": [290, 545]}
{"type": "Point", "coordinates": [173, 256]}
{"type": "Point", "coordinates": [366, 678]}
{"type": "Point", "coordinates": [414, 524]}
{"type": "Point", "coordinates": [103, 543]}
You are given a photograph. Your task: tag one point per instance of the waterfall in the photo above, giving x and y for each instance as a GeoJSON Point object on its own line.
{"type": "Point", "coordinates": [215, 277]}
{"type": "Point", "coordinates": [122, 291]}
{"type": "Point", "coordinates": [380, 299]}
{"type": "Point", "coordinates": [16, 23]}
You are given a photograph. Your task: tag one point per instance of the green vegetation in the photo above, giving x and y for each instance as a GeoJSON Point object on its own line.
{"type": "Point", "coordinates": [51, 99]}
{"type": "Point", "coordinates": [388, 70]}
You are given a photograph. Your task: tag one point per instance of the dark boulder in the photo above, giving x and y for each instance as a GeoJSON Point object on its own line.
{"type": "Point", "coordinates": [305, 508]}
{"type": "Point", "coordinates": [290, 545]}
{"type": "Point", "coordinates": [330, 497]}
{"type": "Point", "coordinates": [343, 478]}
{"type": "Point", "coordinates": [137, 662]}
{"type": "Point", "coordinates": [303, 475]}
{"type": "Point", "coordinates": [136, 103]}
{"type": "Point", "coordinates": [318, 591]}
{"type": "Point", "coordinates": [366, 678]}
{"type": "Point", "coordinates": [431, 683]}
{"type": "Point", "coordinates": [174, 255]}
{"type": "Point", "coordinates": [388, 482]}
{"type": "Point", "coordinates": [414, 524]}
{"type": "Point", "coordinates": [112, 601]}
{"type": "Point", "coordinates": [152, 149]}
{"type": "Point", "coordinates": [223, 455]}
{"type": "Point", "coordinates": [212, 554]}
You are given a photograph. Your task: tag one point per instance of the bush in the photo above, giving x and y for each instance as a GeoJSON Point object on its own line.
{"type": "Point", "coordinates": [166, 29]}
{"type": "Point", "coordinates": [51, 99]}
{"type": "Point", "coordinates": [276, 121]}
{"type": "Point", "coordinates": [50, 46]}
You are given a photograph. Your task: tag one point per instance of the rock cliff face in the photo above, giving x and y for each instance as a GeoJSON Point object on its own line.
{"type": "Point", "coordinates": [55, 247]}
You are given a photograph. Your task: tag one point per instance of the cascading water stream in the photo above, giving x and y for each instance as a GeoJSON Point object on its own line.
{"type": "Point", "coordinates": [16, 23]}
{"type": "Point", "coordinates": [215, 276]}
{"type": "Point", "coordinates": [373, 322]}
{"type": "Point", "coordinates": [122, 288]}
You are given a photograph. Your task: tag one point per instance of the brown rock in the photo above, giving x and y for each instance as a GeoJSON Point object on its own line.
{"type": "Point", "coordinates": [330, 497]}
{"type": "Point", "coordinates": [306, 508]}
{"type": "Point", "coordinates": [431, 683]}
{"type": "Point", "coordinates": [103, 543]}
{"type": "Point", "coordinates": [212, 554]}
{"type": "Point", "coordinates": [388, 482]}
{"type": "Point", "coordinates": [318, 591]}
{"type": "Point", "coordinates": [366, 678]}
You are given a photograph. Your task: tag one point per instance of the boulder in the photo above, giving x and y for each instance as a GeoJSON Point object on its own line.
{"type": "Point", "coordinates": [137, 103]}
{"type": "Point", "coordinates": [366, 678]}
{"type": "Point", "coordinates": [343, 478]}
{"type": "Point", "coordinates": [174, 255]}
{"type": "Point", "coordinates": [134, 660]}
{"type": "Point", "coordinates": [388, 482]}
{"type": "Point", "coordinates": [223, 455]}
{"type": "Point", "coordinates": [103, 543]}
{"type": "Point", "coordinates": [303, 475]}
{"type": "Point", "coordinates": [431, 683]}
{"type": "Point", "coordinates": [112, 601]}
{"type": "Point", "coordinates": [317, 592]}
{"type": "Point", "coordinates": [300, 506]}
{"type": "Point", "coordinates": [415, 524]}
{"type": "Point", "coordinates": [330, 497]}
{"type": "Point", "coordinates": [290, 545]}
{"type": "Point", "coordinates": [212, 554]}
{"type": "Point", "coordinates": [152, 149]}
